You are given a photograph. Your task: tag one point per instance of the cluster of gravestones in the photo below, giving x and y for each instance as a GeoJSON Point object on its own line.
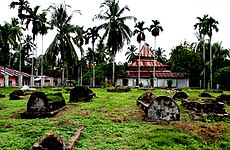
{"type": "Point", "coordinates": [45, 105]}
{"type": "Point", "coordinates": [159, 108]}
{"type": "Point", "coordinates": [20, 94]}
{"type": "Point", "coordinates": [163, 108]}
{"type": "Point", "coordinates": [119, 89]}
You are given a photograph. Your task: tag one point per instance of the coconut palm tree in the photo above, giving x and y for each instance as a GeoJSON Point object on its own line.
{"type": "Point", "coordinates": [9, 36]}
{"type": "Point", "coordinates": [33, 18]}
{"type": "Point", "coordinates": [131, 53]}
{"type": "Point", "coordinates": [62, 44]}
{"type": "Point", "coordinates": [116, 31]}
{"type": "Point", "coordinates": [202, 27]}
{"type": "Point", "coordinates": [92, 33]}
{"type": "Point", "coordinates": [139, 30]}
{"type": "Point", "coordinates": [212, 26]}
{"type": "Point", "coordinates": [155, 30]}
{"type": "Point", "coordinates": [23, 7]}
{"type": "Point", "coordinates": [100, 53]}
{"type": "Point", "coordinates": [44, 26]}
{"type": "Point", "coordinates": [161, 57]}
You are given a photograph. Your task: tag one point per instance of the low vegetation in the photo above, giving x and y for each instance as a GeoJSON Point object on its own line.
{"type": "Point", "coordinates": [112, 121]}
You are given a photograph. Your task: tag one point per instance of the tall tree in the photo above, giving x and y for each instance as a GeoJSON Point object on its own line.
{"type": "Point", "coordinates": [131, 53]}
{"type": "Point", "coordinates": [139, 30]}
{"type": "Point", "coordinates": [9, 36]}
{"type": "Point", "coordinates": [116, 31]}
{"type": "Point", "coordinates": [92, 33]}
{"type": "Point", "coordinates": [161, 57]}
{"type": "Point", "coordinates": [44, 26]}
{"type": "Point", "coordinates": [202, 27]}
{"type": "Point", "coordinates": [23, 7]}
{"type": "Point", "coordinates": [155, 30]}
{"type": "Point", "coordinates": [212, 26]}
{"type": "Point", "coordinates": [62, 43]}
{"type": "Point", "coordinates": [33, 18]}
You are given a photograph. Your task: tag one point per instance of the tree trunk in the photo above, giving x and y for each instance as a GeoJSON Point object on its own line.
{"type": "Point", "coordinates": [93, 67]}
{"type": "Point", "coordinates": [20, 64]}
{"type": "Point", "coordinates": [113, 77]}
{"type": "Point", "coordinates": [210, 44]}
{"type": "Point", "coordinates": [154, 60]}
{"type": "Point", "coordinates": [139, 65]}
{"type": "Point", "coordinates": [204, 61]}
{"type": "Point", "coordinates": [36, 56]}
{"type": "Point", "coordinates": [42, 64]}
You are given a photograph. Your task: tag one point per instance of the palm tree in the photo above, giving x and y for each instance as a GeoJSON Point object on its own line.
{"type": "Point", "coordinates": [9, 36]}
{"type": "Point", "coordinates": [100, 53]}
{"type": "Point", "coordinates": [23, 7]}
{"type": "Point", "coordinates": [131, 54]}
{"type": "Point", "coordinates": [92, 33]}
{"type": "Point", "coordinates": [140, 37]}
{"type": "Point", "coordinates": [116, 31]}
{"type": "Point", "coordinates": [43, 31]}
{"type": "Point", "coordinates": [161, 57]}
{"type": "Point", "coordinates": [155, 29]}
{"type": "Point", "coordinates": [212, 25]}
{"type": "Point", "coordinates": [62, 44]}
{"type": "Point", "coordinates": [202, 26]}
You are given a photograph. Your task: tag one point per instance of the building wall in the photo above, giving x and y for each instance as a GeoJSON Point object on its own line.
{"type": "Point", "coordinates": [179, 83]}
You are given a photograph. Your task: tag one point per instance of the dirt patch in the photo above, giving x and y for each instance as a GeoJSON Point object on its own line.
{"type": "Point", "coordinates": [85, 113]}
{"type": "Point", "coordinates": [212, 132]}
{"type": "Point", "coordinates": [63, 111]}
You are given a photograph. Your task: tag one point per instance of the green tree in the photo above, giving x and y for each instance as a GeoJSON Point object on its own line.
{"type": "Point", "coordinates": [222, 77]}
{"type": "Point", "coordinates": [131, 53]}
{"type": "Point", "coordinates": [9, 36]}
{"type": "Point", "coordinates": [92, 33]}
{"type": "Point", "coordinates": [155, 30]}
{"type": "Point", "coordinates": [202, 26]}
{"type": "Point", "coordinates": [161, 57]}
{"type": "Point", "coordinates": [62, 43]}
{"type": "Point", "coordinates": [184, 59]}
{"type": "Point", "coordinates": [139, 30]}
{"type": "Point", "coordinates": [212, 26]}
{"type": "Point", "coordinates": [116, 31]}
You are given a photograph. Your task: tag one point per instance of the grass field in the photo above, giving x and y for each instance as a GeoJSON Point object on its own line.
{"type": "Point", "coordinates": [112, 121]}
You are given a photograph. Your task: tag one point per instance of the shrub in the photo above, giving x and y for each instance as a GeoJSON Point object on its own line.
{"type": "Point", "coordinates": [169, 83]}
{"type": "Point", "coordinates": [222, 78]}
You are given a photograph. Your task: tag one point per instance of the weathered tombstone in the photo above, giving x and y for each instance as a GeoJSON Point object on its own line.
{"type": "Point", "coordinates": [204, 94]}
{"type": "Point", "coordinates": [38, 102]}
{"type": "Point", "coordinates": [161, 108]}
{"type": "Point", "coordinates": [180, 95]}
{"type": "Point", "coordinates": [2, 96]}
{"type": "Point", "coordinates": [225, 98]}
{"type": "Point", "coordinates": [42, 105]}
{"type": "Point", "coordinates": [119, 89]}
{"type": "Point", "coordinates": [18, 94]}
{"type": "Point", "coordinates": [80, 93]}
{"type": "Point", "coordinates": [55, 142]}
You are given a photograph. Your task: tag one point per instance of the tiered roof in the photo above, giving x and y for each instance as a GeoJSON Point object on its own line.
{"type": "Point", "coordinates": [147, 61]}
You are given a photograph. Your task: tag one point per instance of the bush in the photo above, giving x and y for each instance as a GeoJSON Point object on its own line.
{"type": "Point", "coordinates": [222, 78]}
{"type": "Point", "coordinates": [169, 83]}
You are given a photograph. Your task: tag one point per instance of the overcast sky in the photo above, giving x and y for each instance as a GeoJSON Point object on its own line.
{"type": "Point", "coordinates": [177, 17]}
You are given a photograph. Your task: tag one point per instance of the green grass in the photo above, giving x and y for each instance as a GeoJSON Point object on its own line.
{"type": "Point", "coordinates": [112, 121]}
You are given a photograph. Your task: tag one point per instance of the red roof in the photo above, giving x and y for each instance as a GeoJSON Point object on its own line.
{"type": "Point", "coordinates": [145, 51]}
{"type": "Point", "coordinates": [159, 74]}
{"type": "Point", "coordinates": [147, 63]}
{"type": "Point", "coordinates": [12, 72]}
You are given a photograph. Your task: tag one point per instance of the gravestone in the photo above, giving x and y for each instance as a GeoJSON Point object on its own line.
{"type": "Point", "coordinates": [19, 94]}
{"type": "Point", "coordinates": [225, 98]}
{"type": "Point", "coordinates": [180, 95]}
{"type": "Point", "coordinates": [80, 93]}
{"type": "Point", "coordinates": [161, 108]}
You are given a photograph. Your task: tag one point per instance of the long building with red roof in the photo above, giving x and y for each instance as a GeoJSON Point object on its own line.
{"type": "Point", "coordinates": [162, 72]}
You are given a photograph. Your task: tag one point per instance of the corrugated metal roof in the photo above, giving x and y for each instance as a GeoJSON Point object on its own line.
{"type": "Point", "coordinates": [159, 74]}
{"type": "Point", "coordinates": [12, 72]}
{"type": "Point", "coordinates": [147, 63]}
